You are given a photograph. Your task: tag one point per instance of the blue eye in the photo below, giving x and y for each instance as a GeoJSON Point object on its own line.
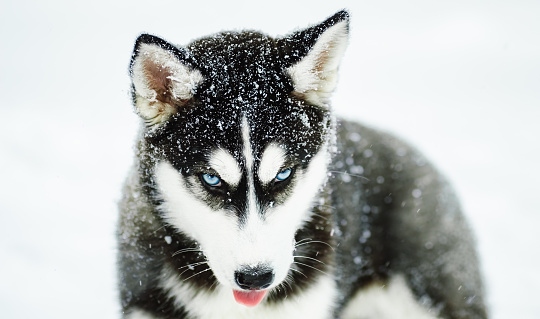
{"type": "Point", "coordinates": [283, 175]}
{"type": "Point", "coordinates": [211, 180]}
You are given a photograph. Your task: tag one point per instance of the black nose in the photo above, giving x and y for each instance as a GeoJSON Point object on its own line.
{"type": "Point", "coordinates": [254, 278]}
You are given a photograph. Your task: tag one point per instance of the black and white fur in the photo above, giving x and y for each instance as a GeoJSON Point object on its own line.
{"type": "Point", "coordinates": [243, 180]}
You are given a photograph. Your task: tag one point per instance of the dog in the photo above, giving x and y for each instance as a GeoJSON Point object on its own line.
{"type": "Point", "coordinates": [248, 198]}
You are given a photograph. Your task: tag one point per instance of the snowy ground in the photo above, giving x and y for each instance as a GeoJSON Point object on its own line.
{"type": "Point", "coordinates": [459, 79]}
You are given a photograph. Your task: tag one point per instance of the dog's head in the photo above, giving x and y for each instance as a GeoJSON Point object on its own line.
{"type": "Point", "coordinates": [238, 129]}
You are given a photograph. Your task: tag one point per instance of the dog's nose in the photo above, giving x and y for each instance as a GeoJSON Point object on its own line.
{"type": "Point", "coordinates": [254, 278]}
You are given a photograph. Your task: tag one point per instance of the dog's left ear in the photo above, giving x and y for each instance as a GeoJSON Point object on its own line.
{"type": "Point", "coordinates": [164, 78]}
{"type": "Point", "coordinates": [320, 49]}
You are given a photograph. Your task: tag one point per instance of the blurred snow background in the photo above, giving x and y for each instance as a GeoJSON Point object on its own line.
{"type": "Point", "coordinates": [459, 79]}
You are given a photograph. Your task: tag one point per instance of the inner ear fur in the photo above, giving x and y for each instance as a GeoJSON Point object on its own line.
{"type": "Point", "coordinates": [163, 78]}
{"type": "Point", "coordinates": [314, 76]}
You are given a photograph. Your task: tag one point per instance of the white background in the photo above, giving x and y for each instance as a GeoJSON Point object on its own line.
{"type": "Point", "coordinates": [458, 79]}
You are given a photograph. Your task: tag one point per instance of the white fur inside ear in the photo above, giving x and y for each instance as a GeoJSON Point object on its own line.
{"type": "Point", "coordinates": [315, 76]}
{"type": "Point", "coordinates": [161, 82]}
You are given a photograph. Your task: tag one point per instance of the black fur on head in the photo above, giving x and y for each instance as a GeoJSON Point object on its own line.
{"type": "Point", "coordinates": [247, 68]}
{"type": "Point", "coordinates": [231, 76]}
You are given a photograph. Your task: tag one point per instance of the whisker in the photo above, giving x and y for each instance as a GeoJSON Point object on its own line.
{"type": "Point", "coordinates": [314, 241]}
{"type": "Point", "coordinates": [155, 231]}
{"type": "Point", "coordinates": [310, 258]}
{"type": "Point", "coordinates": [310, 267]}
{"type": "Point", "coordinates": [301, 240]}
{"type": "Point", "coordinates": [288, 282]}
{"type": "Point", "coordinates": [298, 271]}
{"type": "Point", "coordinates": [214, 284]}
{"type": "Point", "coordinates": [192, 266]}
{"type": "Point", "coordinates": [185, 250]}
{"type": "Point", "coordinates": [327, 206]}
{"type": "Point", "coordinates": [350, 174]}
{"type": "Point", "coordinates": [320, 216]}
{"type": "Point", "coordinates": [200, 272]}
{"type": "Point", "coordinates": [281, 286]}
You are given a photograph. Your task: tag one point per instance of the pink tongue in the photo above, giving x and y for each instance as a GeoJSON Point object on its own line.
{"type": "Point", "coordinates": [249, 298]}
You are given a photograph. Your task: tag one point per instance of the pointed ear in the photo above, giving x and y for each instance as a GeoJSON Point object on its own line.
{"type": "Point", "coordinates": [314, 75]}
{"type": "Point", "coordinates": [163, 78]}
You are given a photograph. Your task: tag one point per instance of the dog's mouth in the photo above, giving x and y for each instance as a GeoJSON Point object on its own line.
{"type": "Point", "coordinates": [249, 298]}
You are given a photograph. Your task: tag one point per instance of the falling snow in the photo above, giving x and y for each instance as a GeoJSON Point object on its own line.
{"type": "Point", "coordinates": [56, 139]}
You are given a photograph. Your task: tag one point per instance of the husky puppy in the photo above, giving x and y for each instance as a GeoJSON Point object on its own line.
{"type": "Point", "coordinates": [248, 199]}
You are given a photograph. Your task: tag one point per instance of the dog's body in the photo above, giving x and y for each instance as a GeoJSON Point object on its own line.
{"type": "Point", "coordinates": [249, 200]}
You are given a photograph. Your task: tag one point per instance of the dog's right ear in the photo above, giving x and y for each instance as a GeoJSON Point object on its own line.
{"type": "Point", "coordinates": [164, 78]}
{"type": "Point", "coordinates": [316, 54]}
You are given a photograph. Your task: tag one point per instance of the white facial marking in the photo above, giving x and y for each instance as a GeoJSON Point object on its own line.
{"type": "Point", "coordinates": [215, 231]}
{"type": "Point", "coordinates": [271, 163]}
{"type": "Point", "coordinates": [295, 211]}
{"type": "Point", "coordinates": [248, 151]}
{"type": "Point", "coordinates": [228, 243]}
{"type": "Point", "coordinates": [226, 166]}
{"type": "Point", "coordinates": [180, 203]}
{"type": "Point", "coordinates": [252, 209]}
{"type": "Point", "coordinates": [227, 246]}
